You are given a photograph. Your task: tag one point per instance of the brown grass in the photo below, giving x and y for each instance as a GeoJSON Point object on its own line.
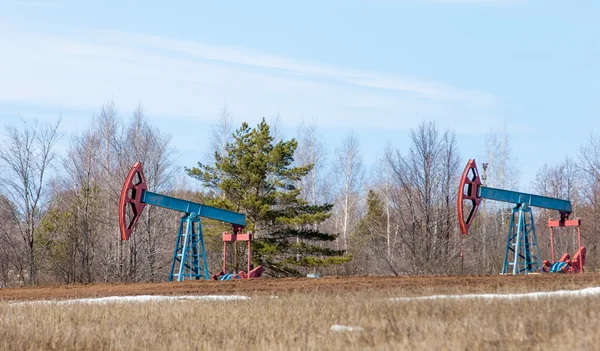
{"type": "Point", "coordinates": [301, 321]}
{"type": "Point", "coordinates": [404, 285]}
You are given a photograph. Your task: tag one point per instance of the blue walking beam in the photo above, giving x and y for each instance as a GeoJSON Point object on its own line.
{"type": "Point", "coordinates": [200, 210]}
{"type": "Point", "coordinates": [530, 200]}
{"type": "Point", "coordinates": [189, 257]}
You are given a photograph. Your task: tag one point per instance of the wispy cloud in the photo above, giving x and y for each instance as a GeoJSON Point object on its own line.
{"type": "Point", "coordinates": [460, 2]}
{"type": "Point", "coordinates": [37, 3]}
{"type": "Point", "coordinates": [298, 69]}
{"type": "Point", "coordinates": [480, 2]}
{"type": "Point", "coordinates": [191, 79]}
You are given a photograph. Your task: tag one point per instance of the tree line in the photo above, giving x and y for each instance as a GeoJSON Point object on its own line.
{"type": "Point", "coordinates": [314, 208]}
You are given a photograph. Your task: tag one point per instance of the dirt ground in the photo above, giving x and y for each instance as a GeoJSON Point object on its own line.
{"type": "Point", "coordinates": [399, 286]}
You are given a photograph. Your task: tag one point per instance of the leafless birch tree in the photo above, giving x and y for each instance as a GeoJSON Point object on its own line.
{"type": "Point", "coordinates": [311, 150]}
{"type": "Point", "coordinates": [221, 132]}
{"type": "Point", "coordinates": [348, 171]}
{"type": "Point", "coordinates": [26, 155]}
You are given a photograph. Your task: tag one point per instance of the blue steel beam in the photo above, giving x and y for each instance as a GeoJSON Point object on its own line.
{"type": "Point", "coordinates": [180, 205]}
{"type": "Point", "coordinates": [523, 198]}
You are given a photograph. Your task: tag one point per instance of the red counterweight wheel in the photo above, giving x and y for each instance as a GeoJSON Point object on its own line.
{"type": "Point", "coordinates": [131, 198]}
{"type": "Point", "coordinates": [467, 195]}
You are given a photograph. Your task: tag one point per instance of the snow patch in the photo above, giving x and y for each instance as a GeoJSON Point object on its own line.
{"type": "Point", "coordinates": [345, 328]}
{"type": "Point", "coordinates": [136, 299]}
{"type": "Point", "coordinates": [535, 295]}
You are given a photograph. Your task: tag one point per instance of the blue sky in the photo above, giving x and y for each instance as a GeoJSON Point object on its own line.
{"type": "Point", "coordinates": [375, 68]}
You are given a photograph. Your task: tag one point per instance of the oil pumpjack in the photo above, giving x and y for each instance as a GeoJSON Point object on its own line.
{"type": "Point", "coordinates": [189, 257]}
{"type": "Point", "coordinates": [522, 254]}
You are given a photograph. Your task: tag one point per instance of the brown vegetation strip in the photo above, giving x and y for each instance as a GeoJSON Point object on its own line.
{"type": "Point", "coordinates": [302, 321]}
{"type": "Point", "coordinates": [400, 286]}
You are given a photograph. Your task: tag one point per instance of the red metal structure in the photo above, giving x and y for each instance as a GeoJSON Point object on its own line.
{"type": "Point", "coordinates": [131, 197]}
{"type": "Point", "coordinates": [233, 239]}
{"type": "Point", "coordinates": [565, 264]}
{"type": "Point", "coordinates": [467, 194]}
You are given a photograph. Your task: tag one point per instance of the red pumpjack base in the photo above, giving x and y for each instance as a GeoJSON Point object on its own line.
{"type": "Point", "coordinates": [575, 264]}
{"type": "Point", "coordinates": [233, 238]}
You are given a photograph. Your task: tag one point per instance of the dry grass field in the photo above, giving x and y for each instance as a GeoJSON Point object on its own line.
{"type": "Point", "coordinates": [297, 314]}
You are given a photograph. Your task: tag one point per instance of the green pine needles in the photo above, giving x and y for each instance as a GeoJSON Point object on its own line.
{"type": "Point", "coordinates": [256, 176]}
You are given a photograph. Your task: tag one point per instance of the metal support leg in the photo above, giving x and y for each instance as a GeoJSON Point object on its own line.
{"type": "Point", "coordinates": [522, 251]}
{"type": "Point", "coordinates": [182, 222]}
{"type": "Point", "coordinates": [249, 258]}
{"type": "Point", "coordinates": [204, 269]}
{"type": "Point", "coordinates": [536, 261]}
{"type": "Point", "coordinates": [189, 257]}
{"type": "Point", "coordinates": [509, 241]}
{"type": "Point", "coordinates": [519, 236]}
{"type": "Point", "coordinates": [184, 249]}
{"type": "Point", "coordinates": [195, 270]}
{"type": "Point", "coordinates": [224, 270]}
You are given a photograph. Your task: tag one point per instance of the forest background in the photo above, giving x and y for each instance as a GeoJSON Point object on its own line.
{"type": "Point", "coordinates": [58, 208]}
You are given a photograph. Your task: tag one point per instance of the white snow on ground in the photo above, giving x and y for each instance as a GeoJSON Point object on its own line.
{"type": "Point", "coordinates": [158, 298]}
{"type": "Point", "coordinates": [345, 328]}
{"type": "Point", "coordinates": [139, 298]}
{"type": "Point", "coordinates": [534, 295]}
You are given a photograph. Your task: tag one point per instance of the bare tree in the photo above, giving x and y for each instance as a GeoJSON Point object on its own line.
{"type": "Point", "coordinates": [13, 262]}
{"type": "Point", "coordinates": [590, 157]}
{"type": "Point", "coordinates": [559, 181]}
{"type": "Point", "coordinates": [424, 183]}
{"type": "Point", "coordinates": [26, 156]}
{"type": "Point", "coordinates": [276, 127]}
{"type": "Point", "coordinates": [589, 161]}
{"type": "Point", "coordinates": [83, 181]}
{"type": "Point", "coordinates": [107, 126]}
{"type": "Point", "coordinates": [488, 236]}
{"type": "Point", "coordinates": [221, 132]}
{"type": "Point", "coordinates": [383, 185]}
{"type": "Point", "coordinates": [449, 175]}
{"type": "Point", "coordinates": [348, 171]}
{"type": "Point", "coordinates": [311, 151]}
{"type": "Point", "coordinates": [502, 170]}
{"type": "Point", "coordinates": [152, 148]}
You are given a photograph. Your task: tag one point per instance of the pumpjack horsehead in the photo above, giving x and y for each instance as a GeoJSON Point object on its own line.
{"type": "Point", "coordinates": [522, 254]}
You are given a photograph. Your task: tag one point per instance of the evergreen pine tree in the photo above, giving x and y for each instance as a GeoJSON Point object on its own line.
{"type": "Point", "coordinates": [371, 225]}
{"type": "Point", "coordinates": [256, 176]}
